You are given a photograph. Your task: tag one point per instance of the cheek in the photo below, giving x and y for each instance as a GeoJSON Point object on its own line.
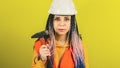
{"type": "Point", "coordinates": [68, 26]}
{"type": "Point", "coordinates": [54, 25]}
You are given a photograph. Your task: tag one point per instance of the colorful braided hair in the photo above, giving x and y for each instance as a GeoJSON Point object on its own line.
{"type": "Point", "coordinates": [74, 40]}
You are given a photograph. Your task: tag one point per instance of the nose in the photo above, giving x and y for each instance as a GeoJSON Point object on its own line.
{"type": "Point", "coordinates": [62, 23]}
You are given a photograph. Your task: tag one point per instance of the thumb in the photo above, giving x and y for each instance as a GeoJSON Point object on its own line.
{"type": "Point", "coordinates": [47, 45]}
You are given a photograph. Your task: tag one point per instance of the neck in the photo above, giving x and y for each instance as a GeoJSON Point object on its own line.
{"type": "Point", "coordinates": [60, 37]}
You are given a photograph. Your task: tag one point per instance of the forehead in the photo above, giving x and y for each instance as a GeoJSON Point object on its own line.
{"type": "Point", "coordinates": [62, 16]}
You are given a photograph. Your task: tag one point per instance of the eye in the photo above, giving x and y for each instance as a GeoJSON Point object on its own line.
{"type": "Point", "coordinates": [57, 19]}
{"type": "Point", "coordinates": [67, 18]}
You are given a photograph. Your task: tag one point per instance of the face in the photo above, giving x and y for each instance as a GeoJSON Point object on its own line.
{"type": "Point", "coordinates": [61, 24]}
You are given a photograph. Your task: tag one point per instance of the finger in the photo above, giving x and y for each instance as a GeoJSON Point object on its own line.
{"type": "Point", "coordinates": [43, 58]}
{"type": "Point", "coordinates": [46, 49]}
{"type": "Point", "coordinates": [43, 46]}
{"type": "Point", "coordinates": [47, 54]}
{"type": "Point", "coordinates": [47, 45]}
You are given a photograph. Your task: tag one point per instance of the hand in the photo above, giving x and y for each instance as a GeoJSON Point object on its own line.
{"type": "Point", "coordinates": [44, 52]}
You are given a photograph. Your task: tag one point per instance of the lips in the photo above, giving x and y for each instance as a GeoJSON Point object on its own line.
{"type": "Point", "coordinates": [61, 30]}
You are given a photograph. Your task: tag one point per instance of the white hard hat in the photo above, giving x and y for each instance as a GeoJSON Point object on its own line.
{"type": "Point", "coordinates": [62, 7]}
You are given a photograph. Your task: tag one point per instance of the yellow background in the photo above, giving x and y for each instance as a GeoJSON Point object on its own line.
{"type": "Point", "coordinates": [98, 20]}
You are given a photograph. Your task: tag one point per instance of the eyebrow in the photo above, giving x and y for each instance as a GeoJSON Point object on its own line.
{"type": "Point", "coordinates": [66, 17]}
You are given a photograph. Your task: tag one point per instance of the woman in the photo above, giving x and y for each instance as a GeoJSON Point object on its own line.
{"type": "Point", "coordinates": [68, 45]}
{"type": "Point", "coordinates": [63, 48]}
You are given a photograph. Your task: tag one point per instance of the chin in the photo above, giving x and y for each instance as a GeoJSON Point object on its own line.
{"type": "Point", "coordinates": [62, 33]}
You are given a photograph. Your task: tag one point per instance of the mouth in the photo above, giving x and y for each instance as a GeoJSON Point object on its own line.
{"type": "Point", "coordinates": [61, 30]}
